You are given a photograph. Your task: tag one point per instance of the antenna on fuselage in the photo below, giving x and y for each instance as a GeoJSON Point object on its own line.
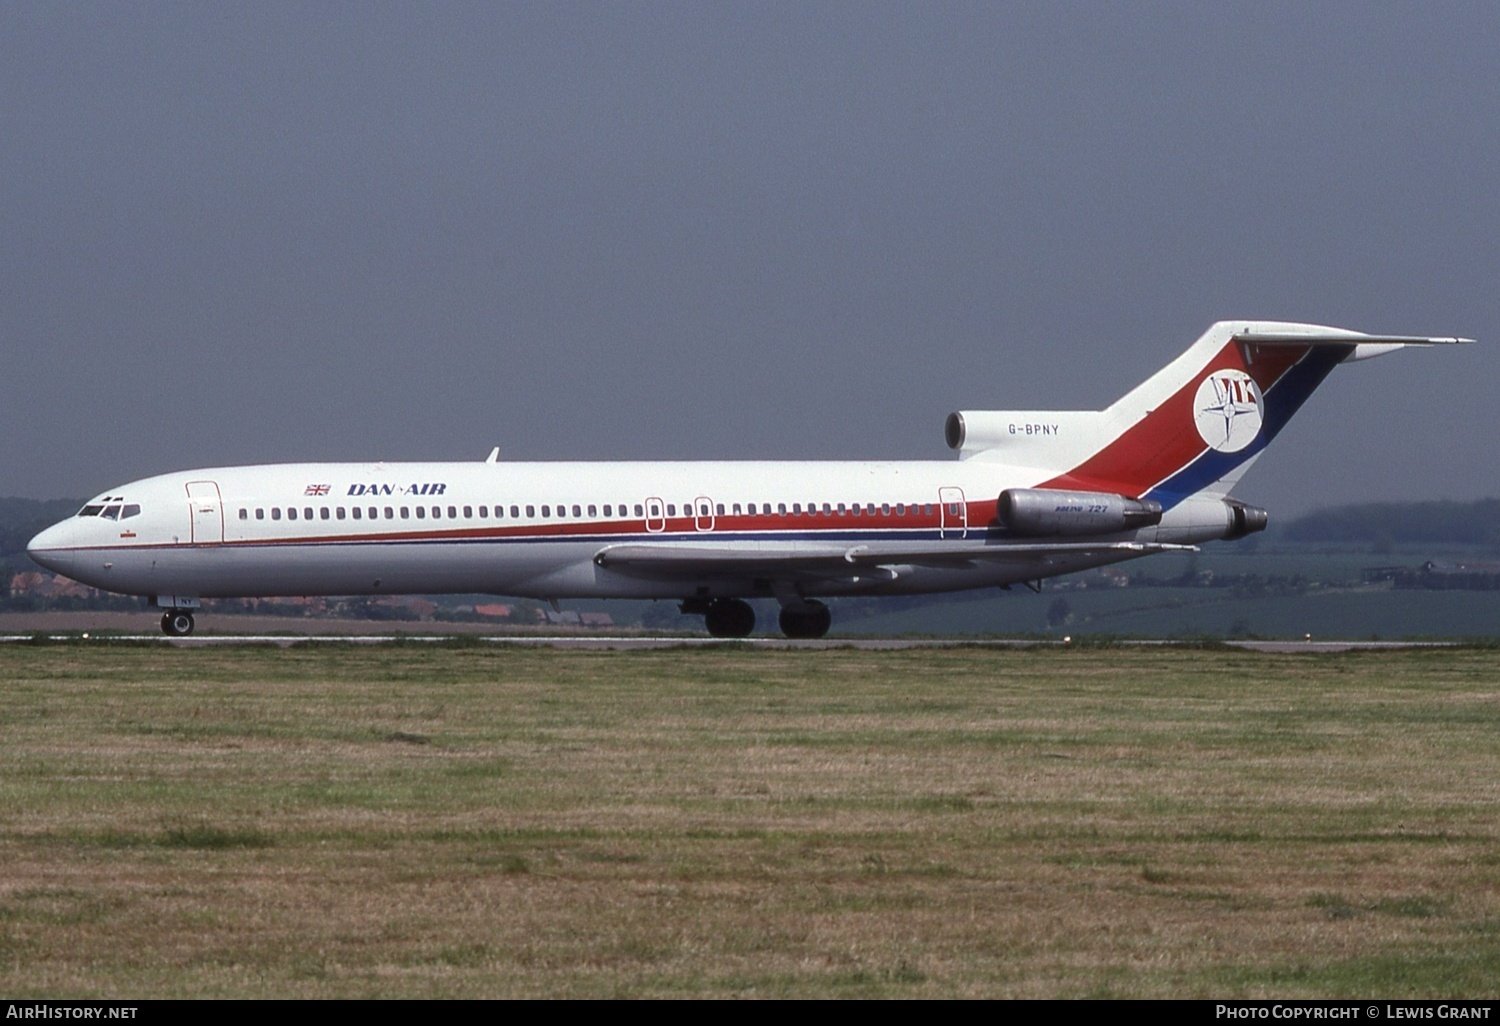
{"type": "Point", "coordinates": [494, 456]}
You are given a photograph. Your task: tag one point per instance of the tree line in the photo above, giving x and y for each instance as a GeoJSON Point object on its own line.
{"type": "Point", "coordinates": [1440, 522]}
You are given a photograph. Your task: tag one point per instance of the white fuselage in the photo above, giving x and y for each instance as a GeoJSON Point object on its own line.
{"type": "Point", "coordinates": [538, 529]}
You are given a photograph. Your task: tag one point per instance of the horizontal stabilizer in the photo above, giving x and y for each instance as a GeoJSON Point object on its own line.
{"type": "Point", "coordinates": [1344, 339]}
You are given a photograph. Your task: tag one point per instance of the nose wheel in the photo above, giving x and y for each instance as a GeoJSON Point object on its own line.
{"type": "Point", "coordinates": [177, 623]}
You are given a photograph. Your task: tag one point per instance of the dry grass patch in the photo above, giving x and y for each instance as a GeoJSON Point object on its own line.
{"type": "Point", "coordinates": [473, 821]}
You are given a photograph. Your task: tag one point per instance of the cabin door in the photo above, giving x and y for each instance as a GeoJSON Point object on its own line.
{"type": "Point", "coordinates": [703, 513]}
{"type": "Point", "coordinates": [207, 512]}
{"type": "Point", "coordinates": [953, 513]}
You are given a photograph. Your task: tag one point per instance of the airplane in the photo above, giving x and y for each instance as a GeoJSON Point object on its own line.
{"type": "Point", "coordinates": [1032, 494]}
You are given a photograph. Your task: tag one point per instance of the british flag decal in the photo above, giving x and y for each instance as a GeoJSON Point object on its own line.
{"type": "Point", "coordinates": [318, 489]}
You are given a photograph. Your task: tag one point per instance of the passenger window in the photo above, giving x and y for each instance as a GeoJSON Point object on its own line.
{"type": "Point", "coordinates": [515, 511]}
{"type": "Point", "coordinates": [422, 512]}
{"type": "Point", "coordinates": [452, 512]}
{"type": "Point", "coordinates": [340, 512]}
{"type": "Point", "coordinates": [885, 508]}
{"type": "Point", "coordinates": [244, 514]}
{"type": "Point", "coordinates": [275, 512]}
{"type": "Point", "coordinates": [781, 509]}
{"type": "Point", "coordinates": [484, 511]}
{"type": "Point", "coordinates": [796, 509]}
{"type": "Point", "coordinates": [900, 509]}
{"type": "Point", "coordinates": [671, 509]}
{"type": "Point", "coordinates": [546, 511]}
{"type": "Point", "coordinates": [291, 514]}
{"type": "Point", "coordinates": [607, 509]}
{"type": "Point", "coordinates": [375, 512]}
{"type": "Point", "coordinates": [306, 512]}
{"type": "Point", "coordinates": [390, 514]}
{"type": "Point", "coordinates": [405, 513]}
{"type": "Point", "coordinates": [655, 510]}
{"type": "Point", "coordinates": [356, 511]}
{"type": "Point", "coordinates": [531, 511]}
{"type": "Point", "coordinates": [323, 513]}
{"type": "Point", "coordinates": [856, 510]}
{"type": "Point", "coordinates": [469, 512]}
{"type": "Point", "coordinates": [260, 514]}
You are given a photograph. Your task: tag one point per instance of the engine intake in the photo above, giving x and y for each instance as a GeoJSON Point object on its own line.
{"type": "Point", "coordinates": [1042, 512]}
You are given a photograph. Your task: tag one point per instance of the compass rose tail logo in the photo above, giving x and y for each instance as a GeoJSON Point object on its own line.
{"type": "Point", "coordinates": [1228, 410]}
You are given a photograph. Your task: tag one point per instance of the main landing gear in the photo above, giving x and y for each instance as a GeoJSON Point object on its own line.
{"type": "Point", "coordinates": [733, 618]}
{"type": "Point", "coordinates": [724, 618]}
{"type": "Point", "coordinates": [177, 623]}
{"type": "Point", "coordinates": [806, 619]}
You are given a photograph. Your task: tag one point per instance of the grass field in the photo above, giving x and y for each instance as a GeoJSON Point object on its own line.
{"type": "Point", "coordinates": [418, 820]}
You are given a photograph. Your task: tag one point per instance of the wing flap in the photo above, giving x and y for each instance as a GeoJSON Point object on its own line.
{"type": "Point", "coordinates": [782, 560]}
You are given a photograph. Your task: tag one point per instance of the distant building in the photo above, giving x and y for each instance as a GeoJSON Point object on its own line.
{"type": "Point", "coordinates": [28, 582]}
{"type": "Point", "coordinates": [1432, 576]}
{"type": "Point", "coordinates": [39, 585]}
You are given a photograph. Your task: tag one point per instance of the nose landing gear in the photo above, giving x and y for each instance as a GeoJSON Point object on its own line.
{"type": "Point", "coordinates": [177, 623]}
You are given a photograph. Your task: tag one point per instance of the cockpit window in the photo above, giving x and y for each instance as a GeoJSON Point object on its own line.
{"type": "Point", "coordinates": [132, 509]}
{"type": "Point", "coordinates": [91, 511]}
{"type": "Point", "coordinates": [111, 513]}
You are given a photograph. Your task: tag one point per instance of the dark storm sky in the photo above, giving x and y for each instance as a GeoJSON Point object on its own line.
{"type": "Point", "coordinates": [272, 232]}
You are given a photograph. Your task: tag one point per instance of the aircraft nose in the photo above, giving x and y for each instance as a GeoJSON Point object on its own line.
{"type": "Point", "coordinates": [49, 549]}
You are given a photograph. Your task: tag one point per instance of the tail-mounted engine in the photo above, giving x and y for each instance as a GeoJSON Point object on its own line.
{"type": "Point", "coordinates": [1244, 519]}
{"type": "Point", "coordinates": [1041, 512]}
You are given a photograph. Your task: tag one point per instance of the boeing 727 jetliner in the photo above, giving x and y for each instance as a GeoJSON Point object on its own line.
{"type": "Point", "coordinates": [1033, 494]}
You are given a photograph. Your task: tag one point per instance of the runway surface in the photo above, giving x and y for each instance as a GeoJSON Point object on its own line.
{"type": "Point", "coordinates": [577, 642]}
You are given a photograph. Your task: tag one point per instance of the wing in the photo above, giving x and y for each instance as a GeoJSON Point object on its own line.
{"type": "Point", "coordinates": [788, 560]}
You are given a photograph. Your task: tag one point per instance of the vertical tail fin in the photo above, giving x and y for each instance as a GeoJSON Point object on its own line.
{"type": "Point", "coordinates": [1196, 425]}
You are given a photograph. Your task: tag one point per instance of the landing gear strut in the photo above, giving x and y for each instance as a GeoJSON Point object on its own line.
{"type": "Point", "coordinates": [729, 618]}
{"type": "Point", "coordinates": [177, 623]}
{"type": "Point", "coordinates": [806, 619]}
